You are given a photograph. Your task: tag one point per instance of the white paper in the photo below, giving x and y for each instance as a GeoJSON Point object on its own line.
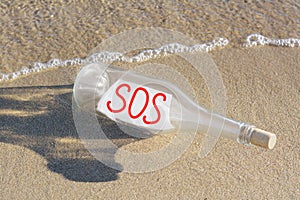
{"type": "Point", "coordinates": [150, 114]}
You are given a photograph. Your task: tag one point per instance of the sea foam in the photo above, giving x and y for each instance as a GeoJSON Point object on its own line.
{"type": "Point", "coordinates": [173, 48]}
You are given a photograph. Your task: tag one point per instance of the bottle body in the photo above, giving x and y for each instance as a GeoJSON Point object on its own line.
{"type": "Point", "coordinates": [151, 104]}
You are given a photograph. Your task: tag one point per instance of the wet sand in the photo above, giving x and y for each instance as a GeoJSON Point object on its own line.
{"type": "Point", "coordinates": [42, 157]}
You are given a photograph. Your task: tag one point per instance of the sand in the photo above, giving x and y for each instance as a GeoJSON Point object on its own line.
{"type": "Point", "coordinates": [42, 157]}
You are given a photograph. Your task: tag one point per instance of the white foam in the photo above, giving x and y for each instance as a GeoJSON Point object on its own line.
{"type": "Point", "coordinates": [257, 39]}
{"type": "Point", "coordinates": [173, 48]}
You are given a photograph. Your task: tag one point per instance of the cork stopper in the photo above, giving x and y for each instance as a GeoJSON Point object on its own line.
{"type": "Point", "coordinates": [263, 138]}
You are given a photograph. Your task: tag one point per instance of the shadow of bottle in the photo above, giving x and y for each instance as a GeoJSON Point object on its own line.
{"type": "Point", "coordinates": [40, 118]}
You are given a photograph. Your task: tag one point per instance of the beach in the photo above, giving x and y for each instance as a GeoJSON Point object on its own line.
{"type": "Point", "coordinates": [42, 156]}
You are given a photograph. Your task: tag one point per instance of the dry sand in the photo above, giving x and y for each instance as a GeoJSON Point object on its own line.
{"type": "Point", "coordinates": [41, 156]}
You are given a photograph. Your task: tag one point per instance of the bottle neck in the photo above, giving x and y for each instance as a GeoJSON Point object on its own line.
{"type": "Point", "coordinates": [200, 119]}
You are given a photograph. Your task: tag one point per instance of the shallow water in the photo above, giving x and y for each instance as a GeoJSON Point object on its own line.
{"type": "Point", "coordinates": [42, 30]}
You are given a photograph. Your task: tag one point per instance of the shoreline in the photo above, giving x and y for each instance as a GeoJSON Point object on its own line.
{"type": "Point", "coordinates": [42, 156]}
